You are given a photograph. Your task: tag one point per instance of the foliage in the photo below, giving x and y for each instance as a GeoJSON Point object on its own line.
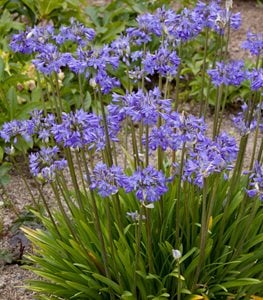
{"type": "Point", "coordinates": [147, 203]}
{"type": "Point", "coordinates": [41, 11]}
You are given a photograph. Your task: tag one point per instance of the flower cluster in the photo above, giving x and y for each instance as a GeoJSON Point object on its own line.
{"type": "Point", "coordinates": [139, 106]}
{"type": "Point", "coordinates": [254, 43]}
{"type": "Point", "coordinates": [256, 182]}
{"type": "Point", "coordinates": [11, 131]}
{"type": "Point", "coordinates": [149, 184]}
{"type": "Point", "coordinates": [256, 79]}
{"type": "Point", "coordinates": [108, 181]}
{"type": "Point", "coordinates": [76, 32]}
{"type": "Point", "coordinates": [79, 129]}
{"type": "Point", "coordinates": [231, 73]}
{"type": "Point", "coordinates": [163, 62]}
{"type": "Point", "coordinates": [45, 163]}
{"type": "Point", "coordinates": [244, 124]}
{"type": "Point", "coordinates": [177, 130]}
{"type": "Point", "coordinates": [208, 157]}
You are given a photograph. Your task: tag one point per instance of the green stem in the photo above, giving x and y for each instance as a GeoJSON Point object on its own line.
{"type": "Point", "coordinates": [149, 240]}
{"type": "Point", "coordinates": [178, 200]}
{"type": "Point", "coordinates": [105, 124]}
{"type": "Point", "coordinates": [41, 93]}
{"type": "Point", "coordinates": [222, 111]}
{"type": "Point", "coordinates": [97, 220]}
{"type": "Point", "coordinates": [138, 234]}
{"type": "Point", "coordinates": [81, 91]}
{"type": "Point", "coordinates": [24, 178]}
{"type": "Point", "coordinates": [177, 79]}
{"type": "Point", "coordinates": [58, 111]}
{"type": "Point", "coordinates": [58, 94]}
{"type": "Point", "coordinates": [203, 234]}
{"type": "Point", "coordinates": [217, 109]}
{"type": "Point", "coordinates": [203, 73]}
{"type": "Point", "coordinates": [256, 134]}
{"type": "Point", "coordinates": [74, 177]}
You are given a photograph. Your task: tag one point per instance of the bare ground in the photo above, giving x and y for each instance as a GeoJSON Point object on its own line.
{"type": "Point", "coordinates": [12, 276]}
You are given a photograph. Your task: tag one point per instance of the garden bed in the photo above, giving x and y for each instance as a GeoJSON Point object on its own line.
{"type": "Point", "coordinates": [12, 275]}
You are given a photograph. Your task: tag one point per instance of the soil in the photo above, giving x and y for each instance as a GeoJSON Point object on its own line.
{"type": "Point", "coordinates": [12, 276]}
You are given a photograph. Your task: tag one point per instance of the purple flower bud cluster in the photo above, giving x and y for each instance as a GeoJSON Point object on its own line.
{"type": "Point", "coordinates": [256, 79]}
{"type": "Point", "coordinates": [139, 106]}
{"type": "Point", "coordinates": [218, 18]}
{"type": "Point", "coordinates": [184, 26]}
{"type": "Point", "coordinates": [148, 25]}
{"type": "Point", "coordinates": [79, 129]}
{"type": "Point", "coordinates": [48, 46]}
{"type": "Point", "coordinates": [256, 182]}
{"type": "Point", "coordinates": [241, 123]}
{"type": "Point", "coordinates": [42, 125]}
{"type": "Point", "coordinates": [33, 39]}
{"type": "Point", "coordinates": [208, 157]}
{"type": "Point", "coordinates": [163, 62]}
{"type": "Point", "coordinates": [50, 59]}
{"type": "Point", "coordinates": [253, 43]}
{"type": "Point", "coordinates": [177, 130]}
{"type": "Point", "coordinates": [231, 73]}
{"type": "Point", "coordinates": [149, 184]}
{"type": "Point", "coordinates": [108, 181]}
{"type": "Point", "coordinates": [11, 131]}
{"type": "Point", "coordinates": [121, 48]}
{"type": "Point", "coordinates": [76, 32]}
{"type": "Point", "coordinates": [45, 163]}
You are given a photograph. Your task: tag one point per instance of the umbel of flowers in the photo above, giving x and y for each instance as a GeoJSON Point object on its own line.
{"type": "Point", "coordinates": [148, 204]}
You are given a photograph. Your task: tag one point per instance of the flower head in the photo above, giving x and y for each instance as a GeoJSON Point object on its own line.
{"type": "Point", "coordinates": [256, 79]}
{"type": "Point", "coordinates": [256, 182]}
{"type": "Point", "coordinates": [232, 73]}
{"type": "Point", "coordinates": [45, 163]}
{"type": "Point", "coordinates": [12, 130]}
{"type": "Point", "coordinates": [253, 43]}
{"type": "Point", "coordinates": [79, 129]}
{"type": "Point", "coordinates": [243, 125]}
{"type": "Point", "coordinates": [76, 32]}
{"type": "Point", "coordinates": [149, 184]}
{"type": "Point", "coordinates": [108, 180]}
{"type": "Point", "coordinates": [140, 106]}
{"type": "Point", "coordinates": [163, 62]}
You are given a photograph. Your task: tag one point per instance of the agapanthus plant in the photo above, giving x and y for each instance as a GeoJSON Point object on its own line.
{"type": "Point", "coordinates": [149, 204]}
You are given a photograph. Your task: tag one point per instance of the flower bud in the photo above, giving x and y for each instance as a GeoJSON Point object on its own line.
{"type": "Point", "coordinates": [176, 254]}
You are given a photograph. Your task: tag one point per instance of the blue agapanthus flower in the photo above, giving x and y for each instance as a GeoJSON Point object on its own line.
{"type": "Point", "coordinates": [45, 163]}
{"type": "Point", "coordinates": [50, 59]}
{"type": "Point", "coordinates": [32, 39]}
{"type": "Point", "coordinates": [231, 73]}
{"type": "Point", "coordinates": [11, 131]}
{"type": "Point", "coordinates": [241, 122]}
{"type": "Point", "coordinates": [163, 62]}
{"type": "Point", "coordinates": [184, 26]}
{"type": "Point", "coordinates": [256, 182]}
{"type": "Point", "coordinates": [208, 157]}
{"type": "Point", "coordinates": [140, 106]}
{"type": "Point", "coordinates": [253, 43]}
{"type": "Point", "coordinates": [256, 79]}
{"type": "Point", "coordinates": [108, 180]}
{"type": "Point", "coordinates": [79, 129]}
{"type": "Point", "coordinates": [76, 32]}
{"type": "Point", "coordinates": [149, 184]}
{"type": "Point", "coordinates": [147, 26]}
